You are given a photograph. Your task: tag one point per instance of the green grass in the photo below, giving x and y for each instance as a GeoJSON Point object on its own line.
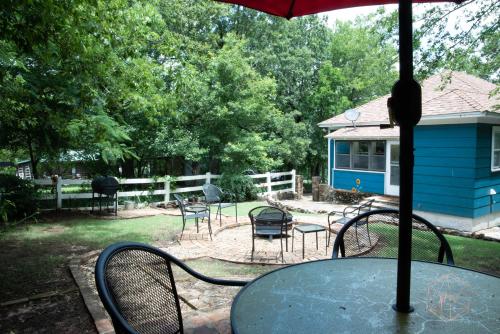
{"type": "Point", "coordinates": [37, 254]}
{"type": "Point", "coordinates": [98, 233]}
{"type": "Point", "coordinates": [469, 253]}
{"type": "Point", "coordinates": [243, 208]}
{"type": "Point", "coordinates": [476, 254]}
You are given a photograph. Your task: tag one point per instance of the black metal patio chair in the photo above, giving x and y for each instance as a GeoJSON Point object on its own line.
{"type": "Point", "coordinates": [269, 221]}
{"type": "Point", "coordinates": [428, 243]}
{"type": "Point", "coordinates": [136, 285]}
{"type": "Point", "coordinates": [193, 212]}
{"type": "Point", "coordinates": [214, 195]}
{"type": "Point", "coordinates": [349, 212]}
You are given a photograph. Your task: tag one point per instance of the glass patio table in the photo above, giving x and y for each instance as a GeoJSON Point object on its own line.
{"type": "Point", "coordinates": [355, 295]}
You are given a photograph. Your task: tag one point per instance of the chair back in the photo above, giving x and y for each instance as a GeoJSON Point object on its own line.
{"type": "Point", "coordinates": [376, 233]}
{"type": "Point", "coordinates": [356, 210]}
{"type": "Point", "coordinates": [137, 288]}
{"type": "Point", "coordinates": [213, 194]}
{"type": "Point", "coordinates": [267, 216]}
{"type": "Point", "coordinates": [180, 202]}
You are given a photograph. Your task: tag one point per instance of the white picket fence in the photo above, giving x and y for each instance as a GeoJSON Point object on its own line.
{"type": "Point", "coordinates": [58, 194]}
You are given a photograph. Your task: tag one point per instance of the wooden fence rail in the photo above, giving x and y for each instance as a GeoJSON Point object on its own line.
{"type": "Point", "coordinates": [159, 186]}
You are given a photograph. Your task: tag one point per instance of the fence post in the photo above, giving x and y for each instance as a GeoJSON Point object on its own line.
{"type": "Point", "coordinates": [59, 192]}
{"type": "Point", "coordinates": [208, 177]}
{"type": "Point", "coordinates": [268, 181]}
{"type": "Point", "coordinates": [293, 181]}
{"type": "Point", "coordinates": [166, 187]}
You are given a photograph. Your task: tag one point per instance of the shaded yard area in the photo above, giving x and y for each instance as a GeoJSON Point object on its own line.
{"type": "Point", "coordinates": [34, 259]}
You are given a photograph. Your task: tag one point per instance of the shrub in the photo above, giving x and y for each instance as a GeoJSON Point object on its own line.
{"type": "Point", "coordinates": [18, 198]}
{"type": "Point", "coordinates": [237, 187]}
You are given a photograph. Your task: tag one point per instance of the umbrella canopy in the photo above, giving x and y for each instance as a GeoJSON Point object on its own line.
{"type": "Point", "coordinates": [293, 8]}
{"type": "Point", "coordinates": [405, 106]}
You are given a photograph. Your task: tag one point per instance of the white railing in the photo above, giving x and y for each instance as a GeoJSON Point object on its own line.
{"type": "Point", "coordinates": [58, 193]}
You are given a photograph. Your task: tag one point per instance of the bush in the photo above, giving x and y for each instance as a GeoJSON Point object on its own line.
{"type": "Point", "coordinates": [237, 187]}
{"type": "Point", "coordinates": [18, 198]}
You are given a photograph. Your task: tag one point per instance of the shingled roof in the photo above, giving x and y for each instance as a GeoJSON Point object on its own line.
{"type": "Point", "coordinates": [451, 93]}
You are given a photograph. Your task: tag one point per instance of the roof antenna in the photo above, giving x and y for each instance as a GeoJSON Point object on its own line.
{"type": "Point", "coordinates": [352, 115]}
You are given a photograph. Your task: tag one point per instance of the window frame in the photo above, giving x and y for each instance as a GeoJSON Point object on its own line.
{"type": "Point", "coordinates": [494, 131]}
{"type": "Point", "coordinates": [372, 145]}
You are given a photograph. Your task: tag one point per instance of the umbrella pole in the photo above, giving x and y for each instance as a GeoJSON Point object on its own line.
{"type": "Point", "coordinates": [407, 96]}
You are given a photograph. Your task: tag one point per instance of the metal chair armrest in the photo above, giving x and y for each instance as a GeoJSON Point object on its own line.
{"type": "Point", "coordinates": [349, 210]}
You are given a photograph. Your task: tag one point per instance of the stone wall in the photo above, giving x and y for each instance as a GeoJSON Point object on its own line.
{"type": "Point", "coordinates": [299, 186]}
{"type": "Point", "coordinates": [325, 193]}
{"type": "Point", "coordinates": [315, 188]}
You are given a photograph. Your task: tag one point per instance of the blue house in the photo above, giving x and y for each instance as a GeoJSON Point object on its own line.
{"type": "Point", "coordinates": [457, 152]}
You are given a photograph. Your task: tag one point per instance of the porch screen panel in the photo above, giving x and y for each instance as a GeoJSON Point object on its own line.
{"type": "Point", "coordinates": [360, 155]}
{"type": "Point", "coordinates": [342, 154]}
{"type": "Point", "coordinates": [377, 159]}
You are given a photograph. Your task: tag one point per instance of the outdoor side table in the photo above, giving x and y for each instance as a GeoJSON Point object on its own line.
{"type": "Point", "coordinates": [198, 208]}
{"type": "Point", "coordinates": [355, 295]}
{"type": "Point", "coordinates": [310, 228]}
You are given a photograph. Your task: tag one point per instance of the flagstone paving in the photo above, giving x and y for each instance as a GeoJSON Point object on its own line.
{"type": "Point", "coordinates": [232, 242]}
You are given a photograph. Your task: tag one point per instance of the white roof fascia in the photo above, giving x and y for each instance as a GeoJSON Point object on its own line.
{"type": "Point", "coordinates": [335, 126]}
{"type": "Point", "coordinates": [462, 118]}
{"type": "Point", "coordinates": [457, 118]}
{"type": "Point", "coordinates": [366, 138]}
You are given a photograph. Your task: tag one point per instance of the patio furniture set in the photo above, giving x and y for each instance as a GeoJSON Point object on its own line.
{"type": "Point", "coordinates": [199, 211]}
{"type": "Point", "coordinates": [137, 287]}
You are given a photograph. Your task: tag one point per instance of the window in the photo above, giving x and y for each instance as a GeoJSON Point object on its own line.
{"type": "Point", "coordinates": [362, 155]}
{"type": "Point", "coordinates": [495, 149]}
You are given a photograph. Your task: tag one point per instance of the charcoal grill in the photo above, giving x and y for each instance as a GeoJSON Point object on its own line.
{"type": "Point", "coordinates": [106, 187]}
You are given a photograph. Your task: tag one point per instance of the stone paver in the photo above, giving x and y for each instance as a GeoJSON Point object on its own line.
{"type": "Point", "coordinates": [233, 242]}
{"type": "Point", "coordinates": [492, 233]}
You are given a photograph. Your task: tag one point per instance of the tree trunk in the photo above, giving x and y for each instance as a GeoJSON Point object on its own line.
{"type": "Point", "coordinates": [34, 161]}
{"type": "Point", "coordinates": [128, 168]}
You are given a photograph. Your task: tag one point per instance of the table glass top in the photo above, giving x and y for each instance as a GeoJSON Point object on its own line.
{"type": "Point", "coordinates": [355, 295]}
{"type": "Point", "coordinates": [309, 228]}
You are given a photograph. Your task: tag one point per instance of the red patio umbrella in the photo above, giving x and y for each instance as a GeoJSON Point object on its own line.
{"type": "Point", "coordinates": [405, 105]}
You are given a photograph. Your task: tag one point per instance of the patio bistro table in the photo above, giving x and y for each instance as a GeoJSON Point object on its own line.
{"type": "Point", "coordinates": [355, 295]}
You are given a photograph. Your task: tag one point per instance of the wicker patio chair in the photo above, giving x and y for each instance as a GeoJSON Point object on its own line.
{"type": "Point", "coordinates": [214, 195]}
{"type": "Point", "coordinates": [269, 221]}
{"type": "Point", "coordinates": [428, 243]}
{"type": "Point", "coordinates": [347, 214]}
{"type": "Point", "coordinates": [136, 285]}
{"type": "Point", "coordinates": [193, 212]}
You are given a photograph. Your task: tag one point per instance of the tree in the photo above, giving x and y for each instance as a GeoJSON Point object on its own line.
{"type": "Point", "coordinates": [460, 37]}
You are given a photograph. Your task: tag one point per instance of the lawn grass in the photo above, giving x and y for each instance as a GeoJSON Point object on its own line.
{"type": "Point", "coordinates": [469, 253]}
{"type": "Point", "coordinates": [33, 256]}
{"type": "Point", "coordinates": [243, 208]}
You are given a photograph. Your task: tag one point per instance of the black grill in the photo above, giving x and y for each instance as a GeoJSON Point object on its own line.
{"type": "Point", "coordinates": [105, 186]}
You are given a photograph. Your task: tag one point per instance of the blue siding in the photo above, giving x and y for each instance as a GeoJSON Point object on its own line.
{"type": "Point", "coordinates": [370, 182]}
{"type": "Point", "coordinates": [445, 169]}
{"type": "Point", "coordinates": [452, 173]}
{"type": "Point", "coordinates": [485, 178]}
{"type": "Point", "coordinates": [452, 170]}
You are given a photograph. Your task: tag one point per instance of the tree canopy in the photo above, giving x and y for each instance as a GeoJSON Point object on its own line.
{"type": "Point", "coordinates": [137, 83]}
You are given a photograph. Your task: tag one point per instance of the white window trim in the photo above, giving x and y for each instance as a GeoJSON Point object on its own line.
{"type": "Point", "coordinates": [494, 130]}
